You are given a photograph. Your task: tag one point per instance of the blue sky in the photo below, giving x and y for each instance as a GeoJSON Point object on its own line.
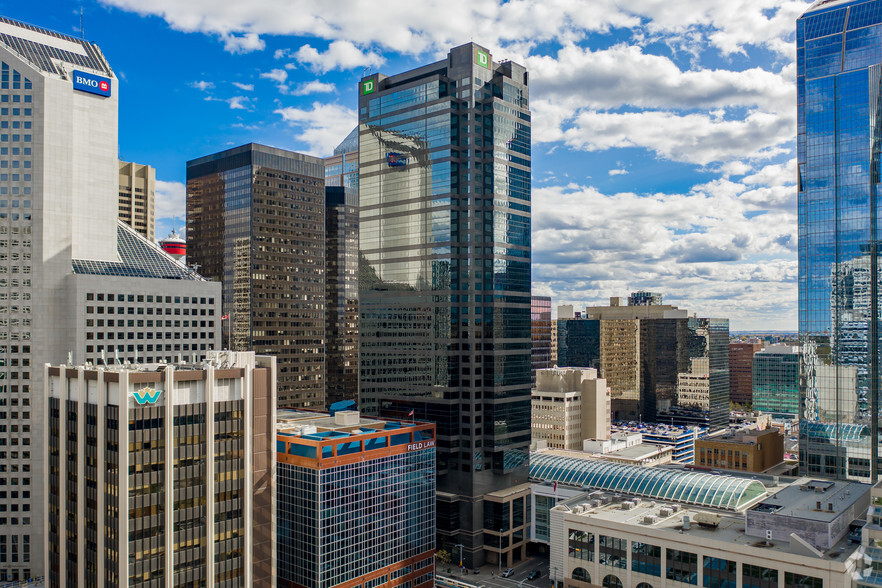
{"type": "Point", "coordinates": [663, 131]}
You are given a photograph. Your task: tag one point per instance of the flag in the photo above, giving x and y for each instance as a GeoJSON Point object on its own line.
{"type": "Point", "coordinates": [410, 414]}
{"type": "Point", "coordinates": [555, 486]}
{"type": "Point", "coordinates": [225, 317]}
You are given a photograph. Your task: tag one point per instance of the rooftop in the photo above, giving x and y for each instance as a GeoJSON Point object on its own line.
{"type": "Point", "coordinates": [800, 500]}
{"type": "Point", "coordinates": [138, 257]}
{"type": "Point", "coordinates": [705, 524]}
{"type": "Point", "coordinates": [725, 492]}
{"type": "Point", "coordinates": [44, 48]}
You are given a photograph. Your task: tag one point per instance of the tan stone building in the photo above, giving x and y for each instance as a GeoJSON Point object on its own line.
{"type": "Point", "coordinates": [568, 406]}
{"type": "Point", "coordinates": [137, 196]}
{"type": "Point", "coordinates": [747, 450]}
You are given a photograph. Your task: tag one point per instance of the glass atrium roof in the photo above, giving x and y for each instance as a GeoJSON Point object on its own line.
{"type": "Point", "coordinates": [41, 47]}
{"type": "Point", "coordinates": [846, 432]}
{"type": "Point", "coordinates": [727, 492]}
{"type": "Point", "coordinates": [138, 258]}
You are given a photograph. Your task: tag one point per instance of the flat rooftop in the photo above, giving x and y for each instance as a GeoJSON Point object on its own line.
{"type": "Point", "coordinates": [641, 451]}
{"type": "Point", "coordinates": [800, 499]}
{"type": "Point", "coordinates": [706, 524]}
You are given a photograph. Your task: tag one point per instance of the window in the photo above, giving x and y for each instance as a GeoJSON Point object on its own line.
{"type": "Point", "coordinates": [682, 566]}
{"type": "Point", "coordinates": [719, 573]}
{"type": "Point", "coordinates": [646, 558]}
{"type": "Point", "coordinates": [758, 577]}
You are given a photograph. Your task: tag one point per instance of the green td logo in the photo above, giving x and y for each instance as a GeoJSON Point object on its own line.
{"type": "Point", "coordinates": [367, 87]}
{"type": "Point", "coordinates": [482, 59]}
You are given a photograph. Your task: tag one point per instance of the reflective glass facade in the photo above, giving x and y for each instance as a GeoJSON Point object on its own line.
{"type": "Point", "coordinates": [444, 197]}
{"type": "Point", "coordinates": [355, 506]}
{"type": "Point", "coordinates": [255, 222]}
{"type": "Point", "coordinates": [839, 91]}
{"type": "Point", "coordinates": [540, 327]}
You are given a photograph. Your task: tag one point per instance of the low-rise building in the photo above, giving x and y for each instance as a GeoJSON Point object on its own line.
{"type": "Point", "coordinates": [355, 501]}
{"type": "Point", "coordinates": [681, 438]}
{"type": "Point", "coordinates": [747, 450]}
{"type": "Point", "coordinates": [161, 475]}
{"type": "Point", "coordinates": [569, 405]}
{"type": "Point", "coordinates": [707, 531]}
{"type": "Point", "coordinates": [628, 448]}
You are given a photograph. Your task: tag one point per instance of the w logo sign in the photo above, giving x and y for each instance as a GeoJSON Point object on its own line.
{"type": "Point", "coordinates": [146, 395]}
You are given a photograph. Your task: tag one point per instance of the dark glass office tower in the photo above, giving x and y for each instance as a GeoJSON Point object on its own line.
{"type": "Point", "coordinates": [341, 294]}
{"type": "Point", "coordinates": [540, 328]}
{"type": "Point", "coordinates": [255, 221]}
{"type": "Point", "coordinates": [708, 338]}
{"type": "Point", "coordinates": [444, 200]}
{"type": "Point", "coordinates": [578, 343]}
{"type": "Point", "coordinates": [839, 137]}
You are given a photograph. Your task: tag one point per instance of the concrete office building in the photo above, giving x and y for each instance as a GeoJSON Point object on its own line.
{"type": "Point", "coordinates": [568, 406]}
{"type": "Point", "coordinates": [540, 334]}
{"type": "Point", "coordinates": [628, 448]}
{"type": "Point", "coordinates": [355, 501]}
{"type": "Point", "coordinates": [444, 200]}
{"type": "Point", "coordinates": [838, 56]}
{"type": "Point", "coordinates": [256, 223]}
{"type": "Point", "coordinates": [184, 488]}
{"type": "Point", "coordinates": [746, 450]}
{"type": "Point", "coordinates": [137, 197]}
{"type": "Point", "coordinates": [741, 371]}
{"type": "Point", "coordinates": [60, 241]}
{"type": "Point", "coordinates": [776, 380]}
{"type": "Point", "coordinates": [705, 530]}
{"type": "Point", "coordinates": [681, 438]}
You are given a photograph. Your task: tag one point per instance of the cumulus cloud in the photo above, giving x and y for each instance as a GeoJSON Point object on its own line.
{"type": "Point", "coordinates": [714, 239]}
{"type": "Point", "coordinates": [314, 87]}
{"type": "Point", "coordinates": [277, 75]}
{"type": "Point", "coordinates": [239, 103]}
{"type": "Point", "coordinates": [171, 200]}
{"type": "Point", "coordinates": [339, 55]}
{"type": "Point", "coordinates": [322, 127]}
{"type": "Point", "coordinates": [202, 85]}
{"type": "Point", "coordinates": [244, 87]}
{"type": "Point", "coordinates": [245, 43]}
{"type": "Point", "coordinates": [420, 27]}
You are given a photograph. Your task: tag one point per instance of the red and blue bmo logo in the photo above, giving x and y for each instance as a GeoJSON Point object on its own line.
{"type": "Point", "coordinates": [396, 159]}
{"type": "Point", "coordinates": [86, 82]}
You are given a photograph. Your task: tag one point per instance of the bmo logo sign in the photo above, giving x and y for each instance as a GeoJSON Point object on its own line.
{"type": "Point", "coordinates": [86, 82]}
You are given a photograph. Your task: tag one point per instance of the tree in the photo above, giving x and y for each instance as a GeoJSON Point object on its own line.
{"type": "Point", "coordinates": [443, 556]}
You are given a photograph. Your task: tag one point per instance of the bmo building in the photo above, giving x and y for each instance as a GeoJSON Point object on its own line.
{"type": "Point", "coordinates": [75, 284]}
{"type": "Point", "coordinates": [355, 500]}
{"type": "Point", "coordinates": [161, 475]}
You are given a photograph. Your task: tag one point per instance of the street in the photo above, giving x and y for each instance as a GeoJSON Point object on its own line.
{"type": "Point", "coordinates": [519, 578]}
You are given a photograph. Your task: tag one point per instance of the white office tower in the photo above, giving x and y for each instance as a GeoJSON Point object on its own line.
{"type": "Point", "coordinates": [61, 247]}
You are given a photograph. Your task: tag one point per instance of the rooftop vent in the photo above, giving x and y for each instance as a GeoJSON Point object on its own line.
{"type": "Point", "coordinates": [627, 505]}
{"type": "Point", "coordinates": [346, 418]}
{"type": "Point", "coordinates": [649, 520]}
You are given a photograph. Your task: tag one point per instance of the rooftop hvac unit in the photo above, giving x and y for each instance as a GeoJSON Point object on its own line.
{"type": "Point", "coordinates": [649, 520]}
{"type": "Point", "coordinates": [627, 505]}
{"type": "Point", "coordinates": [308, 430]}
{"type": "Point", "coordinates": [585, 505]}
{"type": "Point", "coordinates": [578, 510]}
{"type": "Point", "coordinates": [596, 503]}
{"type": "Point", "coordinates": [675, 507]}
{"type": "Point", "coordinates": [665, 512]}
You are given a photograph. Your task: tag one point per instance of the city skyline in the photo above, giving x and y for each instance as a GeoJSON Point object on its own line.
{"type": "Point", "coordinates": [668, 129]}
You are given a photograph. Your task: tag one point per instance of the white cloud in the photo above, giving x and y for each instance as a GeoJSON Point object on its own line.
{"type": "Point", "coordinates": [245, 43]}
{"type": "Point", "coordinates": [171, 200]}
{"type": "Point", "coordinates": [618, 172]}
{"type": "Point", "coordinates": [314, 87]}
{"type": "Point", "coordinates": [244, 87]}
{"type": "Point", "coordinates": [340, 55]}
{"type": "Point", "coordinates": [421, 27]}
{"type": "Point", "coordinates": [277, 75]}
{"type": "Point", "coordinates": [239, 103]}
{"type": "Point", "coordinates": [322, 127]}
{"type": "Point", "coordinates": [693, 138]}
{"type": "Point", "coordinates": [202, 85]}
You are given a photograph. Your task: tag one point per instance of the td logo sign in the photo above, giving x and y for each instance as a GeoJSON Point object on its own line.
{"type": "Point", "coordinates": [367, 87]}
{"type": "Point", "coordinates": [482, 59]}
{"type": "Point", "coordinates": [146, 395]}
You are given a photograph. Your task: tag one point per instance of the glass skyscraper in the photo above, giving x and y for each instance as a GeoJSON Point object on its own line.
{"type": "Point", "coordinates": [444, 281]}
{"type": "Point", "coordinates": [839, 81]}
